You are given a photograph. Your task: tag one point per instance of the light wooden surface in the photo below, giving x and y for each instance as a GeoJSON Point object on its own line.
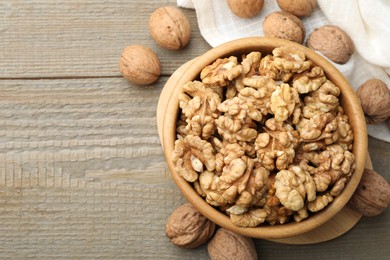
{"type": "Point", "coordinates": [82, 172]}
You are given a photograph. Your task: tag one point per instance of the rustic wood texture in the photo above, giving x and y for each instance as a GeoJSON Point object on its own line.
{"type": "Point", "coordinates": [82, 172]}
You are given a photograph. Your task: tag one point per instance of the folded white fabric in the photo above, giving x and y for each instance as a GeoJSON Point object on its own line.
{"type": "Point", "coordinates": [366, 22]}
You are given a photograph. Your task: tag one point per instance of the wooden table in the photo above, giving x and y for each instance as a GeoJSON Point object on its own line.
{"type": "Point", "coordinates": [82, 171]}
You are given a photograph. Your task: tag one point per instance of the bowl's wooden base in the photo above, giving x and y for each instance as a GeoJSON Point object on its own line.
{"type": "Point", "coordinates": [338, 225]}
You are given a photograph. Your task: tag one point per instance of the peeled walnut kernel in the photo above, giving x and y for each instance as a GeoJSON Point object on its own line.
{"type": "Point", "coordinates": [187, 228]}
{"type": "Point", "coordinates": [245, 8]}
{"type": "Point", "coordinates": [298, 7]}
{"type": "Point", "coordinates": [199, 105]}
{"type": "Point", "coordinates": [221, 72]}
{"type": "Point", "coordinates": [251, 218]}
{"type": "Point", "coordinates": [293, 186]}
{"type": "Point", "coordinates": [374, 97]}
{"type": "Point", "coordinates": [189, 149]}
{"type": "Point", "coordinates": [285, 26]}
{"type": "Point", "coordinates": [332, 42]}
{"type": "Point", "coordinates": [372, 195]}
{"type": "Point", "coordinates": [170, 27]}
{"type": "Point", "coordinates": [229, 245]}
{"type": "Point", "coordinates": [139, 65]}
{"type": "Point", "coordinates": [264, 139]}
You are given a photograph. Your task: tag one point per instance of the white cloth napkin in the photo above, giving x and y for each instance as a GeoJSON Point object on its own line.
{"type": "Point", "coordinates": [366, 22]}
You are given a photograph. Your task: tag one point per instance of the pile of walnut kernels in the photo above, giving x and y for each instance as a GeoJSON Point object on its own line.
{"type": "Point", "coordinates": [264, 138]}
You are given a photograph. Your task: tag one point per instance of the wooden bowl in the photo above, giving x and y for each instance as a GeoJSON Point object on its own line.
{"type": "Point", "coordinates": [351, 106]}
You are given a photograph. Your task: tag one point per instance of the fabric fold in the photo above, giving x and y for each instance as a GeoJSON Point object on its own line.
{"type": "Point", "coordinates": [366, 22]}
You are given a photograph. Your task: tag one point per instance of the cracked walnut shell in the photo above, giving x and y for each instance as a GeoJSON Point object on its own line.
{"type": "Point", "coordinates": [170, 28]}
{"type": "Point", "coordinates": [188, 228]}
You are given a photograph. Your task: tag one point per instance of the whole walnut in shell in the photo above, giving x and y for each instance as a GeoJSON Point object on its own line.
{"type": "Point", "coordinates": [245, 8]}
{"type": "Point", "coordinates": [170, 27]}
{"type": "Point", "coordinates": [298, 7]}
{"type": "Point", "coordinates": [187, 228]}
{"type": "Point", "coordinates": [374, 97]}
{"type": "Point", "coordinates": [229, 245]}
{"type": "Point", "coordinates": [372, 196]}
{"type": "Point", "coordinates": [139, 65]}
{"type": "Point", "coordinates": [285, 26]}
{"type": "Point", "coordinates": [332, 42]}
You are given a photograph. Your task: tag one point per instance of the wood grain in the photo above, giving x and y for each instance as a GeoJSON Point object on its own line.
{"type": "Point", "coordinates": [63, 38]}
{"type": "Point", "coordinates": [82, 172]}
{"type": "Point", "coordinates": [80, 160]}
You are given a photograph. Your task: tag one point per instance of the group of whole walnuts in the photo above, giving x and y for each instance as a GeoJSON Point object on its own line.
{"type": "Point", "coordinates": [170, 29]}
{"type": "Point", "coordinates": [187, 228]}
{"type": "Point", "coordinates": [235, 127]}
{"type": "Point", "coordinates": [264, 139]}
{"type": "Point", "coordinates": [330, 40]}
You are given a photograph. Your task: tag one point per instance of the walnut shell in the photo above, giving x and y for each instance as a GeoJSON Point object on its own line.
{"type": "Point", "coordinates": [187, 228]}
{"type": "Point", "coordinates": [374, 97]}
{"type": "Point", "coordinates": [170, 27]}
{"type": "Point", "coordinates": [285, 26]}
{"type": "Point", "coordinates": [139, 65]}
{"type": "Point", "coordinates": [372, 195]}
{"type": "Point", "coordinates": [332, 42]}
{"type": "Point", "coordinates": [229, 245]}
{"type": "Point", "coordinates": [245, 8]}
{"type": "Point", "coordinates": [297, 7]}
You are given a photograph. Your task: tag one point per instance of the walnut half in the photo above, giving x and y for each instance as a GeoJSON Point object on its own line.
{"type": "Point", "coordinates": [264, 139]}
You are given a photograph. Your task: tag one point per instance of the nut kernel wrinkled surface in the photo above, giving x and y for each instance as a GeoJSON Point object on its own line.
{"type": "Point", "coordinates": [274, 144]}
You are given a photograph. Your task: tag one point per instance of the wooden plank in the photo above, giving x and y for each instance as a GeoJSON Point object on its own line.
{"type": "Point", "coordinates": [380, 156]}
{"type": "Point", "coordinates": [85, 38]}
{"type": "Point", "coordinates": [82, 172]}
{"type": "Point", "coordinates": [82, 175]}
{"type": "Point", "coordinates": [78, 120]}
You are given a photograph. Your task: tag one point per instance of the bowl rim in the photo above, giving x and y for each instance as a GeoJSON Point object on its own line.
{"type": "Point", "coordinates": [351, 107]}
